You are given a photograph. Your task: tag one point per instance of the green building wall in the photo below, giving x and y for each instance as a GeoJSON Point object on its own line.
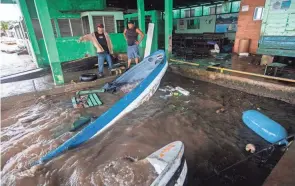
{"type": "Point", "coordinates": [69, 48]}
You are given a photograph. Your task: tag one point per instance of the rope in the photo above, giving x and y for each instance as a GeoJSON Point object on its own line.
{"type": "Point", "coordinates": [271, 147]}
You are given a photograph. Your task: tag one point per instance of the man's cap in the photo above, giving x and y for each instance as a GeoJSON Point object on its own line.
{"type": "Point", "coordinates": [130, 22]}
{"type": "Point", "coordinates": [100, 26]}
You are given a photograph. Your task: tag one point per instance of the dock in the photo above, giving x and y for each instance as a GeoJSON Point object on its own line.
{"type": "Point", "coordinates": [284, 171]}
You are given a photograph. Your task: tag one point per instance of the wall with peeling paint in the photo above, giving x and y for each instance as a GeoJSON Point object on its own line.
{"type": "Point", "coordinates": [277, 36]}
{"type": "Point", "coordinates": [278, 19]}
{"type": "Point", "coordinates": [69, 49]}
{"type": "Point", "coordinates": [247, 27]}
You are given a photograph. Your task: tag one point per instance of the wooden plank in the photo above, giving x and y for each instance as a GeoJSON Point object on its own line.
{"type": "Point", "coordinates": [149, 39]}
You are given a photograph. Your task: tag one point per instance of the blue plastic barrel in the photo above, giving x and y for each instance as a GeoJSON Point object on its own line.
{"type": "Point", "coordinates": [265, 127]}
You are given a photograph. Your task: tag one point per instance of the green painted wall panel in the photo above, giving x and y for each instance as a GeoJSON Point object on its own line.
{"type": "Point", "coordinates": [56, 7]}
{"type": "Point", "coordinates": [80, 6]}
{"type": "Point", "coordinates": [8, 2]}
{"type": "Point", "coordinates": [69, 48]}
{"type": "Point", "coordinates": [119, 43]}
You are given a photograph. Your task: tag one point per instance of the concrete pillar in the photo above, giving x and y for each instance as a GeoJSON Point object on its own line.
{"type": "Point", "coordinates": [141, 23]}
{"type": "Point", "coordinates": [30, 30]}
{"type": "Point", "coordinates": [168, 27]}
{"type": "Point", "coordinates": [49, 40]}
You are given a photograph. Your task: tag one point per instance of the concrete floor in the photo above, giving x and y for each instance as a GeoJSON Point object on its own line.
{"type": "Point", "coordinates": [42, 83]}
{"type": "Point", "coordinates": [246, 64]}
{"type": "Point", "coordinates": [283, 173]}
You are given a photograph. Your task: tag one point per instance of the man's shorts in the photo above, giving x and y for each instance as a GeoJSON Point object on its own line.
{"type": "Point", "coordinates": [133, 52]}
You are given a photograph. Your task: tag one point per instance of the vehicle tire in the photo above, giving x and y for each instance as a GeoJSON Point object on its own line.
{"type": "Point", "coordinates": [88, 77]}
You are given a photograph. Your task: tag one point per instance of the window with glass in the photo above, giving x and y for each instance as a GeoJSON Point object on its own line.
{"type": "Point", "coordinates": [209, 10]}
{"type": "Point", "coordinates": [193, 23]}
{"type": "Point", "coordinates": [226, 6]}
{"type": "Point", "coordinates": [235, 7]}
{"type": "Point", "coordinates": [258, 13]}
{"type": "Point", "coordinates": [187, 13]}
{"type": "Point", "coordinates": [219, 9]}
{"type": "Point", "coordinates": [176, 14]}
{"type": "Point", "coordinates": [64, 27]}
{"type": "Point", "coordinates": [70, 27]}
{"type": "Point", "coordinates": [184, 13]}
{"type": "Point", "coordinates": [76, 26]}
{"type": "Point", "coordinates": [120, 26]}
{"type": "Point", "coordinates": [85, 25]}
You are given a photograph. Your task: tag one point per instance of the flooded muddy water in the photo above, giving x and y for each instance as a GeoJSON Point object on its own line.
{"type": "Point", "coordinates": [213, 140]}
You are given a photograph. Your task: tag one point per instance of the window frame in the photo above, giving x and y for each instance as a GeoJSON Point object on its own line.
{"type": "Point", "coordinates": [255, 13]}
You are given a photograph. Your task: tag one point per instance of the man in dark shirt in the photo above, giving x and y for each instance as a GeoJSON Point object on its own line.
{"type": "Point", "coordinates": [131, 33]}
{"type": "Point", "coordinates": [105, 55]}
{"type": "Point", "coordinates": [103, 44]}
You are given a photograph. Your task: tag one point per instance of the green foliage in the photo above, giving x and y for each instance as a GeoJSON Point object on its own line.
{"type": "Point", "coordinates": [4, 26]}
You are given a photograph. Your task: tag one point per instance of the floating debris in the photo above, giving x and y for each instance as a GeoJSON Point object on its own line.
{"type": "Point", "coordinates": [250, 148]}
{"type": "Point", "coordinates": [221, 110]}
{"type": "Point", "coordinates": [166, 96]}
{"type": "Point", "coordinates": [182, 91]}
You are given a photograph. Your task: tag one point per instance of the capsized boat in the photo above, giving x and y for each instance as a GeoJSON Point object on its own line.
{"type": "Point", "coordinates": [170, 165]}
{"type": "Point", "coordinates": [141, 81]}
{"type": "Point", "coordinates": [165, 167]}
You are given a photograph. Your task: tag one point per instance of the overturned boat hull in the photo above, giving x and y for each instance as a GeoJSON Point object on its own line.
{"type": "Point", "coordinates": [170, 165]}
{"type": "Point", "coordinates": [150, 72]}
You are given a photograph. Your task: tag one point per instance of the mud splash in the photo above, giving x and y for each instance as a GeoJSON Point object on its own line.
{"type": "Point", "coordinates": [212, 140]}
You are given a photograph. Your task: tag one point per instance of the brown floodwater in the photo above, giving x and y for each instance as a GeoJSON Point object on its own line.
{"type": "Point", "coordinates": [213, 141]}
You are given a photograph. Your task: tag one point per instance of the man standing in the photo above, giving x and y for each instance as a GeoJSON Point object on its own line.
{"type": "Point", "coordinates": [104, 47]}
{"type": "Point", "coordinates": [131, 34]}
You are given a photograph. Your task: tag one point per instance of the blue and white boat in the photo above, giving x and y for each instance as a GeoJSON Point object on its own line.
{"type": "Point", "coordinates": [170, 164]}
{"type": "Point", "coordinates": [146, 76]}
